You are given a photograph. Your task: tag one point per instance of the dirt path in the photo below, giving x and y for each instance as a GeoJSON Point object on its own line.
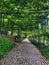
{"type": "Point", "coordinates": [24, 54]}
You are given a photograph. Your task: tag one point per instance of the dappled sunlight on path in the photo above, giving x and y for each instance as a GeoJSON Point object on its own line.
{"type": "Point", "coordinates": [26, 40]}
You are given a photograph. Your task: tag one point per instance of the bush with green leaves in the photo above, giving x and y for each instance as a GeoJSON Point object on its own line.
{"type": "Point", "coordinates": [43, 47]}
{"type": "Point", "coordinates": [5, 46]}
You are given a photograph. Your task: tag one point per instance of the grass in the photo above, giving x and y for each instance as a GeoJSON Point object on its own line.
{"type": "Point", "coordinates": [5, 46]}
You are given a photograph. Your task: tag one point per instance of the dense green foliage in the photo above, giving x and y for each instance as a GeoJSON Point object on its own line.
{"type": "Point", "coordinates": [43, 45]}
{"type": "Point", "coordinates": [24, 15]}
{"type": "Point", "coordinates": [24, 18]}
{"type": "Point", "coordinates": [5, 46]}
{"type": "Point", "coordinates": [44, 51]}
{"type": "Point", "coordinates": [8, 5]}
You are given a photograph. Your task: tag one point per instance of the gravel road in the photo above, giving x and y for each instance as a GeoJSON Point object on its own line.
{"type": "Point", "coordinates": [25, 54]}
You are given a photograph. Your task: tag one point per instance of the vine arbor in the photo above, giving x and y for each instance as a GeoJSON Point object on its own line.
{"type": "Point", "coordinates": [36, 27]}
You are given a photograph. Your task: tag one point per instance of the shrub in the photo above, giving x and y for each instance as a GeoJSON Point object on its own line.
{"type": "Point", "coordinates": [5, 46]}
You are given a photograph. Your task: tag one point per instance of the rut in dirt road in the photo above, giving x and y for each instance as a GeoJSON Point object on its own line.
{"type": "Point", "coordinates": [25, 54]}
